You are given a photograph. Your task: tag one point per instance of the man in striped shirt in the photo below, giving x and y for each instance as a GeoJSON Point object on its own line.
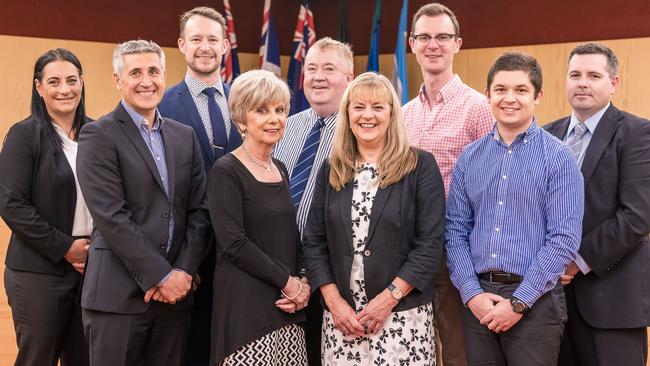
{"type": "Point", "coordinates": [514, 222]}
{"type": "Point", "coordinates": [329, 68]}
{"type": "Point", "coordinates": [443, 118]}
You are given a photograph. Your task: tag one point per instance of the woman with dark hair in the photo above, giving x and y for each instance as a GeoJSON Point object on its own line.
{"type": "Point", "coordinates": [41, 202]}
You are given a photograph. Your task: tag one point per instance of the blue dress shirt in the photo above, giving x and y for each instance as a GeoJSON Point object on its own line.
{"type": "Point", "coordinates": [515, 208]}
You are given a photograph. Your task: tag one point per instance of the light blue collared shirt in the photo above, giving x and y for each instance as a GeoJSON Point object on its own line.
{"type": "Point", "coordinates": [591, 123]}
{"type": "Point", "coordinates": [155, 144]}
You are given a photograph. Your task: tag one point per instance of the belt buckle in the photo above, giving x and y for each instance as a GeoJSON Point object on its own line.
{"type": "Point", "coordinates": [491, 280]}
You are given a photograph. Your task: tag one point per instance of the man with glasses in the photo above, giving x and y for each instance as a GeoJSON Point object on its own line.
{"type": "Point", "coordinates": [443, 118]}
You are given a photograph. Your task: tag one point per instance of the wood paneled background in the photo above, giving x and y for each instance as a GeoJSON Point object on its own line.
{"type": "Point", "coordinates": [91, 29]}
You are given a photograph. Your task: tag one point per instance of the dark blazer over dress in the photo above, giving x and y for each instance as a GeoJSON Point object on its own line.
{"type": "Point", "coordinates": [405, 236]}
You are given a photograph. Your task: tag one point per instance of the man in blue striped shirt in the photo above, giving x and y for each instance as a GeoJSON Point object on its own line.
{"type": "Point", "coordinates": [307, 141]}
{"type": "Point", "coordinates": [514, 218]}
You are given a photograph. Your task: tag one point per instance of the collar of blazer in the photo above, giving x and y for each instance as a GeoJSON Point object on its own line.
{"type": "Point", "coordinates": [606, 128]}
{"type": "Point", "coordinates": [135, 137]}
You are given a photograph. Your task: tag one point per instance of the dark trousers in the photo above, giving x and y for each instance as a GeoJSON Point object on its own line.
{"type": "Point", "coordinates": [156, 337]}
{"type": "Point", "coordinates": [47, 320]}
{"type": "Point", "coordinates": [533, 341]}
{"type": "Point", "coordinates": [584, 345]}
{"type": "Point", "coordinates": [447, 308]}
{"type": "Point", "coordinates": [198, 345]}
{"type": "Point", "coordinates": [313, 328]}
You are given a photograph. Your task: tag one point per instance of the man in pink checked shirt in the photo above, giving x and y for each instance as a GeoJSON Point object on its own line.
{"type": "Point", "coordinates": [443, 118]}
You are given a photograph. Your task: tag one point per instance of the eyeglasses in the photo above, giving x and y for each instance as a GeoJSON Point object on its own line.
{"type": "Point", "coordinates": [441, 38]}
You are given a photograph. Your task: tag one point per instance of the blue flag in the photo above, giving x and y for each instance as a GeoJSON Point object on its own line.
{"type": "Point", "coordinates": [269, 49]}
{"type": "Point", "coordinates": [303, 38]}
{"type": "Point", "coordinates": [398, 77]}
{"type": "Point", "coordinates": [373, 52]}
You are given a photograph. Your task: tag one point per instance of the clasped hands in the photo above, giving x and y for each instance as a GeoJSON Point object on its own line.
{"type": "Point", "coordinates": [370, 320]}
{"type": "Point", "coordinates": [172, 290]}
{"type": "Point", "coordinates": [77, 254]}
{"type": "Point", "coordinates": [493, 311]}
{"type": "Point", "coordinates": [295, 295]}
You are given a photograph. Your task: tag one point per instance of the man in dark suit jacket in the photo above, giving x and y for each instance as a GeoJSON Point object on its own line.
{"type": "Point", "coordinates": [200, 101]}
{"type": "Point", "coordinates": [608, 299]}
{"type": "Point", "coordinates": [143, 180]}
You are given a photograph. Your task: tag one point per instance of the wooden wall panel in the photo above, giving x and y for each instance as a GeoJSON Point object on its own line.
{"type": "Point", "coordinates": [472, 65]}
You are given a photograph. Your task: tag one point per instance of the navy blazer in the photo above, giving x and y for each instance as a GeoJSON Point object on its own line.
{"type": "Point", "coordinates": [615, 244]}
{"type": "Point", "coordinates": [405, 236]}
{"type": "Point", "coordinates": [178, 104]}
{"type": "Point", "coordinates": [130, 208]}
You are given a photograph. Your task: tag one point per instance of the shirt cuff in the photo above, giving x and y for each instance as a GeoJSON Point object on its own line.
{"type": "Point", "coordinates": [161, 282]}
{"type": "Point", "coordinates": [582, 265]}
{"type": "Point", "coordinates": [469, 290]}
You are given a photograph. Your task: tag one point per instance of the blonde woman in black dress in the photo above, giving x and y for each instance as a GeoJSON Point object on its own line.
{"type": "Point", "coordinates": [258, 294]}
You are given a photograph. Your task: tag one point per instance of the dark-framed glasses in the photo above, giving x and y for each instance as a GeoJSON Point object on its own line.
{"type": "Point", "coordinates": [441, 38]}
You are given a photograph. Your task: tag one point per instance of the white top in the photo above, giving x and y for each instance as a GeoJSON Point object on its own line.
{"type": "Point", "coordinates": [83, 222]}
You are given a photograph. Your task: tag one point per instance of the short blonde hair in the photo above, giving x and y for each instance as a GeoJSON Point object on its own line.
{"type": "Point", "coordinates": [396, 160]}
{"type": "Point", "coordinates": [343, 50]}
{"type": "Point", "coordinates": [253, 89]}
{"type": "Point", "coordinates": [203, 11]}
{"type": "Point", "coordinates": [434, 10]}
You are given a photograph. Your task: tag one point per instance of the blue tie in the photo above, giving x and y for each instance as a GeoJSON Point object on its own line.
{"type": "Point", "coordinates": [219, 138]}
{"type": "Point", "coordinates": [301, 171]}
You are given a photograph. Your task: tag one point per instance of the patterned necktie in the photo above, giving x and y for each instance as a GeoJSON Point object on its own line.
{"type": "Point", "coordinates": [219, 137]}
{"type": "Point", "coordinates": [301, 171]}
{"type": "Point", "coordinates": [575, 141]}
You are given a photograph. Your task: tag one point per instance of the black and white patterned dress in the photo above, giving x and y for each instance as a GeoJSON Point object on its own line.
{"type": "Point", "coordinates": [407, 337]}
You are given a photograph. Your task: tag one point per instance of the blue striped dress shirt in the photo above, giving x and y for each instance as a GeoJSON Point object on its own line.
{"type": "Point", "coordinates": [288, 150]}
{"type": "Point", "coordinates": [516, 209]}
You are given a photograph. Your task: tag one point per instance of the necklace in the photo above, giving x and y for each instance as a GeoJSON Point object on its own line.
{"type": "Point", "coordinates": [266, 165]}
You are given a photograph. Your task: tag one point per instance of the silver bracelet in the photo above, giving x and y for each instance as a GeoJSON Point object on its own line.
{"type": "Point", "coordinates": [296, 295]}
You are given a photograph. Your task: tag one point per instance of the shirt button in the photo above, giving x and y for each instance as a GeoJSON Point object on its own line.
{"type": "Point", "coordinates": [509, 151]}
{"type": "Point", "coordinates": [494, 255]}
{"type": "Point", "coordinates": [497, 229]}
{"type": "Point", "coordinates": [500, 203]}
{"type": "Point", "coordinates": [165, 214]}
{"type": "Point", "coordinates": [157, 157]}
{"type": "Point", "coordinates": [505, 177]}
{"type": "Point", "coordinates": [367, 253]}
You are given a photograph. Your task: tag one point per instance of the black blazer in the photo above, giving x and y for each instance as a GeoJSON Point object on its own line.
{"type": "Point", "coordinates": [178, 104]}
{"type": "Point", "coordinates": [405, 236]}
{"type": "Point", "coordinates": [130, 209]}
{"type": "Point", "coordinates": [616, 170]}
{"type": "Point", "coordinates": [37, 200]}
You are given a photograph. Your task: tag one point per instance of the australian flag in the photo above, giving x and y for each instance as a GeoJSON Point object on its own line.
{"type": "Point", "coordinates": [303, 38]}
{"type": "Point", "coordinates": [269, 49]}
{"type": "Point", "coordinates": [230, 63]}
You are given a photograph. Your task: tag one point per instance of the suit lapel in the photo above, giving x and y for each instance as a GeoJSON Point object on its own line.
{"type": "Point", "coordinates": [345, 206]}
{"type": "Point", "coordinates": [134, 136]}
{"type": "Point", "coordinates": [170, 158]}
{"type": "Point", "coordinates": [560, 130]}
{"type": "Point", "coordinates": [195, 118]}
{"type": "Point", "coordinates": [378, 204]}
{"type": "Point", "coordinates": [602, 136]}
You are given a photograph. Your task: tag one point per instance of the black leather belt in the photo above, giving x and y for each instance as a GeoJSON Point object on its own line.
{"type": "Point", "coordinates": [501, 277]}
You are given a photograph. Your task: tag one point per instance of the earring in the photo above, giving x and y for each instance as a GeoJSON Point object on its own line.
{"type": "Point", "coordinates": [243, 135]}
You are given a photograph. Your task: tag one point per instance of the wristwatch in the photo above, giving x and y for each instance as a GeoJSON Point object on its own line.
{"type": "Point", "coordinates": [395, 292]}
{"type": "Point", "coordinates": [518, 306]}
